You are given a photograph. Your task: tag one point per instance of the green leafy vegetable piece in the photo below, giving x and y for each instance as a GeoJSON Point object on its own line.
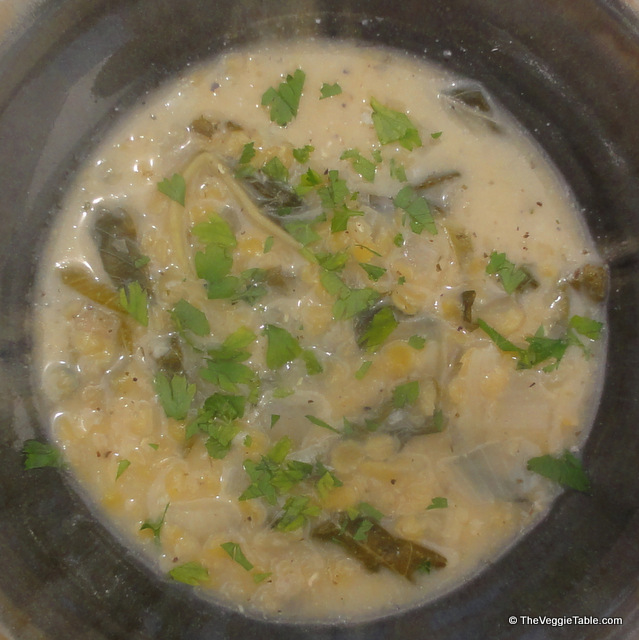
{"type": "Point", "coordinates": [437, 503]}
{"type": "Point", "coordinates": [330, 90]}
{"type": "Point", "coordinates": [394, 126]}
{"type": "Point", "coordinates": [235, 552]}
{"type": "Point", "coordinates": [283, 102]}
{"type": "Point", "coordinates": [134, 301]}
{"type": "Point", "coordinates": [367, 510]}
{"type": "Point", "coordinates": [397, 171]}
{"type": "Point", "coordinates": [332, 261]}
{"type": "Point", "coordinates": [374, 272]}
{"type": "Point", "coordinates": [190, 318]}
{"type": "Point", "coordinates": [335, 192]}
{"type": "Point", "coordinates": [260, 577]}
{"type": "Point", "coordinates": [297, 511]}
{"type": "Point", "coordinates": [405, 394]}
{"type": "Point", "coordinates": [417, 209]}
{"type": "Point", "coordinates": [303, 153]}
{"type": "Point", "coordinates": [326, 482]}
{"type": "Point", "coordinates": [213, 264]}
{"type": "Point", "coordinates": [275, 169]}
{"type": "Point", "coordinates": [220, 439]}
{"type": "Point", "coordinates": [512, 277]}
{"type": "Point", "coordinates": [174, 187]}
{"type": "Point", "coordinates": [228, 374]}
{"type": "Point", "coordinates": [268, 244]}
{"type": "Point", "coordinates": [302, 231]}
{"type": "Point", "coordinates": [248, 153]}
{"type": "Point", "coordinates": [275, 418]}
{"type": "Point", "coordinates": [41, 454]}
{"type": "Point", "coordinates": [361, 165]}
{"type": "Point", "coordinates": [192, 573]}
{"type": "Point", "coordinates": [123, 465]}
{"type": "Point", "coordinates": [216, 231]}
{"type": "Point", "coordinates": [566, 470]}
{"type": "Point", "coordinates": [381, 325]}
{"type": "Point", "coordinates": [361, 372]}
{"type": "Point", "coordinates": [313, 365]}
{"type": "Point", "coordinates": [175, 395]}
{"type": "Point", "coordinates": [341, 216]}
{"type": "Point", "coordinates": [417, 342]}
{"type": "Point", "coordinates": [156, 525]}
{"type": "Point", "coordinates": [377, 548]}
{"type": "Point", "coordinates": [281, 348]}
{"type": "Point", "coordinates": [321, 423]}
{"type": "Point", "coordinates": [308, 181]}
{"type": "Point", "coordinates": [398, 240]}
{"type": "Point", "coordinates": [586, 327]}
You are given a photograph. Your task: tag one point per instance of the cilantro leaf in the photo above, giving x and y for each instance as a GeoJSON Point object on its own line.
{"type": "Point", "coordinates": [175, 395]}
{"type": "Point", "coordinates": [297, 511]}
{"type": "Point", "coordinates": [123, 465]}
{"type": "Point", "coordinates": [174, 188]}
{"type": "Point", "coordinates": [41, 454]}
{"type": "Point", "coordinates": [397, 171]}
{"type": "Point", "coordinates": [214, 264]}
{"type": "Point", "coordinates": [437, 503]}
{"type": "Point", "coordinates": [275, 169]}
{"type": "Point", "coordinates": [248, 153]}
{"type": "Point", "coordinates": [215, 231]}
{"type": "Point", "coordinates": [335, 192]}
{"type": "Point", "coordinates": [586, 327]}
{"type": "Point", "coordinates": [192, 573]}
{"type": "Point", "coordinates": [313, 365]}
{"type": "Point", "coordinates": [394, 126]}
{"type": "Point", "coordinates": [417, 342]}
{"type": "Point", "coordinates": [281, 348]}
{"type": "Point", "coordinates": [302, 231]}
{"type": "Point", "coordinates": [330, 90]}
{"type": "Point", "coordinates": [235, 552]}
{"type": "Point", "coordinates": [405, 394]}
{"type": "Point", "coordinates": [381, 325]}
{"type": "Point", "coordinates": [220, 439]}
{"type": "Point", "coordinates": [156, 525]}
{"type": "Point", "coordinates": [321, 423]}
{"type": "Point", "coordinates": [566, 470]}
{"type": "Point", "coordinates": [283, 102]}
{"type": "Point", "coordinates": [512, 277]}
{"type": "Point", "coordinates": [502, 343]}
{"type": "Point", "coordinates": [332, 261]}
{"type": "Point", "coordinates": [417, 210]}
{"type": "Point", "coordinates": [190, 318]}
{"type": "Point", "coordinates": [303, 153]}
{"type": "Point", "coordinates": [341, 216]}
{"type": "Point", "coordinates": [361, 165]}
{"type": "Point", "coordinates": [228, 374]}
{"type": "Point", "coordinates": [374, 272]}
{"type": "Point", "coordinates": [134, 300]}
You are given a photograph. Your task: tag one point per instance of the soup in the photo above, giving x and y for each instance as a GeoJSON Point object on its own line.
{"type": "Point", "coordinates": [319, 330]}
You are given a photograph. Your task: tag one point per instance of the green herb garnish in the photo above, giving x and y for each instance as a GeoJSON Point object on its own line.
{"type": "Point", "coordinates": [134, 300]}
{"type": "Point", "coordinates": [235, 552]}
{"type": "Point", "coordinates": [417, 210]}
{"type": "Point", "coordinates": [175, 395]}
{"type": "Point", "coordinates": [174, 188]}
{"type": "Point", "coordinates": [284, 101]}
{"type": "Point", "coordinates": [41, 454]}
{"type": "Point", "coordinates": [192, 573]}
{"type": "Point", "coordinates": [394, 126]}
{"type": "Point", "coordinates": [566, 470]}
{"type": "Point", "coordinates": [329, 90]}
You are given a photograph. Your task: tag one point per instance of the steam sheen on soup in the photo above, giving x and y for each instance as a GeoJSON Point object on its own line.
{"type": "Point", "coordinates": [319, 330]}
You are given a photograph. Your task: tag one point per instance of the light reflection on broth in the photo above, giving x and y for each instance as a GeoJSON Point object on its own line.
{"type": "Point", "coordinates": [294, 351]}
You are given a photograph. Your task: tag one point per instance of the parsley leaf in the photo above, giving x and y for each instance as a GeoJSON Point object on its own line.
{"type": "Point", "coordinates": [235, 552]}
{"type": "Point", "coordinates": [417, 342]}
{"type": "Point", "coordinates": [175, 395]}
{"type": "Point", "coordinates": [586, 327]}
{"type": "Point", "coordinates": [512, 277]}
{"type": "Point", "coordinates": [321, 423]}
{"type": "Point", "coordinates": [335, 192]}
{"type": "Point", "coordinates": [123, 465]}
{"type": "Point", "coordinates": [303, 153]}
{"type": "Point", "coordinates": [281, 347]}
{"type": "Point", "coordinates": [302, 231]}
{"type": "Point", "coordinates": [363, 370]}
{"type": "Point", "coordinates": [41, 454]}
{"type": "Point", "coordinates": [330, 90]}
{"type": "Point", "coordinates": [313, 365]}
{"type": "Point", "coordinates": [362, 166]}
{"type": "Point", "coordinates": [283, 102]}
{"type": "Point", "coordinates": [374, 272]}
{"type": "Point", "coordinates": [437, 503]}
{"type": "Point", "coordinates": [275, 170]}
{"type": "Point", "coordinates": [394, 126]}
{"type": "Point", "coordinates": [417, 209]}
{"type": "Point", "coordinates": [220, 439]}
{"type": "Point", "coordinates": [297, 511]}
{"type": "Point", "coordinates": [134, 300]}
{"type": "Point", "coordinates": [190, 318]}
{"type": "Point", "coordinates": [174, 188]}
{"type": "Point", "coordinates": [566, 470]}
{"type": "Point", "coordinates": [215, 231]}
{"type": "Point", "coordinates": [397, 171]}
{"type": "Point", "coordinates": [248, 153]}
{"type": "Point", "coordinates": [405, 394]}
{"type": "Point", "coordinates": [192, 573]}
{"type": "Point", "coordinates": [382, 324]}
{"type": "Point", "coordinates": [156, 525]}
{"type": "Point", "coordinates": [341, 216]}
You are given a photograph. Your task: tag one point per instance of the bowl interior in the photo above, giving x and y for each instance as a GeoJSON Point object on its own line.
{"type": "Point", "coordinates": [567, 72]}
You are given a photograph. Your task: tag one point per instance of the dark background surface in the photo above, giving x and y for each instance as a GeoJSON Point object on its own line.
{"type": "Point", "coordinates": [568, 70]}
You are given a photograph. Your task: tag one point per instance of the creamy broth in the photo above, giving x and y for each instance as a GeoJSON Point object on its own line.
{"type": "Point", "coordinates": [326, 331]}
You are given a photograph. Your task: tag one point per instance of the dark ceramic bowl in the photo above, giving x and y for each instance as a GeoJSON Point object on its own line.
{"type": "Point", "coordinates": [568, 69]}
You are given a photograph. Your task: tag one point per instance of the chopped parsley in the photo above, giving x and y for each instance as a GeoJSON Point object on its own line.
{"type": "Point", "coordinates": [437, 503]}
{"type": "Point", "coordinates": [216, 231]}
{"type": "Point", "coordinates": [341, 216]}
{"type": "Point", "coordinates": [41, 454]}
{"type": "Point", "coordinates": [565, 469]}
{"type": "Point", "coordinates": [512, 277]}
{"type": "Point", "coordinates": [297, 511]}
{"type": "Point", "coordinates": [284, 101]}
{"type": "Point", "coordinates": [123, 465]}
{"type": "Point", "coordinates": [275, 169]}
{"type": "Point", "coordinates": [190, 318]}
{"type": "Point", "coordinates": [248, 153]}
{"type": "Point", "coordinates": [374, 272]}
{"type": "Point", "coordinates": [417, 342]}
{"type": "Point", "coordinates": [381, 325]}
{"type": "Point", "coordinates": [361, 165]}
{"type": "Point", "coordinates": [330, 90]}
{"type": "Point", "coordinates": [192, 573]}
{"type": "Point", "coordinates": [134, 300]}
{"type": "Point", "coordinates": [363, 370]}
{"type": "Point", "coordinates": [405, 394]}
{"type": "Point", "coordinates": [156, 525]}
{"type": "Point", "coordinates": [281, 348]}
{"type": "Point", "coordinates": [235, 553]}
{"type": "Point", "coordinates": [321, 423]}
{"type": "Point", "coordinates": [417, 210]}
{"type": "Point", "coordinates": [303, 153]}
{"type": "Point", "coordinates": [175, 395]}
{"type": "Point", "coordinates": [174, 188]}
{"type": "Point", "coordinates": [394, 126]}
